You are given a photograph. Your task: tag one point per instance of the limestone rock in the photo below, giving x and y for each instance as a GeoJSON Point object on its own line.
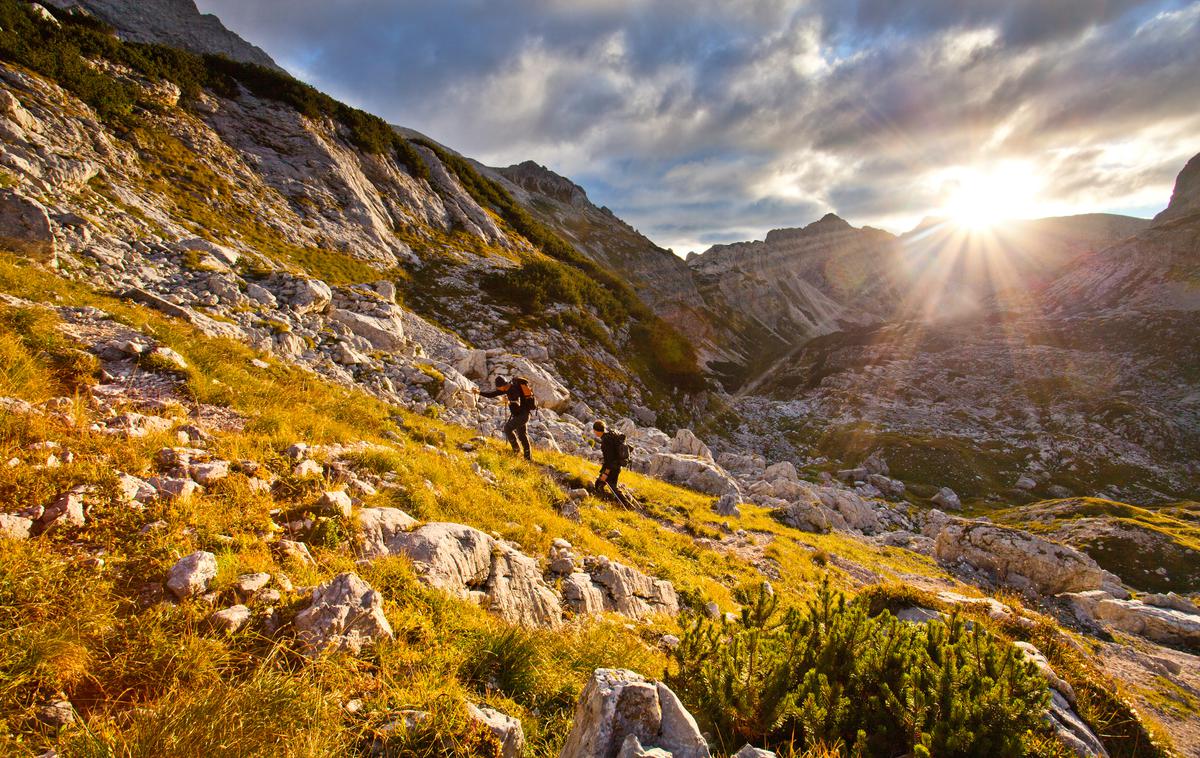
{"type": "Point", "coordinates": [384, 333]}
{"type": "Point", "coordinates": [627, 591]}
{"type": "Point", "coordinates": [230, 619]}
{"type": "Point", "coordinates": [469, 564]}
{"type": "Point", "coordinates": [192, 574]}
{"type": "Point", "coordinates": [291, 550]}
{"type": "Point", "coordinates": [617, 704]}
{"type": "Point", "coordinates": [581, 595]}
{"type": "Point", "coordinates": [169, 357]}
{"type": "Point", "coordinates": [1158, 624]}
{"type": "Point", "coordinates": [248, 584]}
{"type": "Point", "coordinates": [727, 505]}
{"type": "Point", "coordinates": [1019, 558]}
{"type": "Point", "coordinates": [308, 469]}
{"type": "Point", "coordinates": [209, 473]}
{"type": "Point", "coordinates": [805, 516]}
{"type": "Point", "coordinates": [686, 443]}
{"type": "Point", "coordinates": [25, 227]}
{"type": "Point", "coordinates": [948, 499]}
{"type": "Point", "coordinates": [174, 488]}
{"type": "Point", "coordinates": [68, 508]}
{"type": "Point", "coordinates": [1171, 600]}
{"type": "Point", "coordinates": [15, 527]}
{"type": "Point", "coordinates": [1031, 654]}
{"type": "Point", "coordinates": [135, 490]}
{"type": "Point", "coordinates": [506, 729]}
{"type": "Point", "coordinates": [345, 614]}
{"type": "Point", "coordinates": [781, 470]}
{"type": "Point", "coordinates": [1072, 730]}
{"type": "Point", "coordinates": [309, 295]}
{"type": "Point", "coordinates": [378, 527]}
{"type": "Point", "coordinates": [335, 503]}
{"type": "Point", "coordinates": [700, 474]}
{"type": "Point", "coordinates": [57, 714]}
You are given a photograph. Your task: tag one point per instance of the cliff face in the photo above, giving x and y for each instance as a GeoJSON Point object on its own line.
{"type": "Point", "coordinates": [799, 283]}
{"type": "Point", "coordinates": [171, 22]}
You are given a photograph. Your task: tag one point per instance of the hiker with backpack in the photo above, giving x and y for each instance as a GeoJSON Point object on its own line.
{"type": "Point", "coordinates": [616, 452]}
{"type": "Point", "coordinates": [521, 403]}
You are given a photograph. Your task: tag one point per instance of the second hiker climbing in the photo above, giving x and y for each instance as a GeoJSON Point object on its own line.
{"type": "Point", "coordinates": [521, 403]}
{"type": "Point", "coordinates": [615, 452]}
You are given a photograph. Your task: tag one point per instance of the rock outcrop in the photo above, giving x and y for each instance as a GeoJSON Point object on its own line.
{"type": "Point", "coordinates": [624, 590]}
{"type": "Point", "coordinates": [1169, 625]}
{"type": "Point", "coordinates": [192, 574]}
{"type": "Point", "coordinates": [472, 565]}
{"type": "Point", "coordinates": [620, 708]}
{"type": "Point", "coordinates": [25, 227]}
{"type": "Point", "coordinates": [694, 472]}
{"type": "Point", "coordinates": [345, 614]}
{"type": "Point", "coordinates": [1020, 559]}
{"type": "Point", "coordinates": [506, 729]}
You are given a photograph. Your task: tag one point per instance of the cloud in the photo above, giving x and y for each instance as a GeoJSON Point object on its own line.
{"type": "Point", "coordinates": [716, 121]}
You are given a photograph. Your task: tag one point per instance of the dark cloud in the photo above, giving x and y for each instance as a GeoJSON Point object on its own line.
{"type": "Point", "coordinates": [714, 121]}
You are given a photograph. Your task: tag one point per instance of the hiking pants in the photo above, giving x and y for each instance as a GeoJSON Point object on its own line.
{"type": "Point", "coordinates": [514, 431]}
{"type": "Point", "coordinates": [610, 481]}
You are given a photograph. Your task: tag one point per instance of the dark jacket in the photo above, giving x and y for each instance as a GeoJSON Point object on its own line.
{"type": "Point", "coordinates": [512, 392]}
{"type": "Point", "coordinates": [610, 449]}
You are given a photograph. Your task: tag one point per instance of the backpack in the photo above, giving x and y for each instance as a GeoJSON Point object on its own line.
{"type": "Point", "coordinates": [625, 452]}
{"type": "Point", "coordinates": [624, 449]}
{"type": "Point", "coordinates": [528, 401]}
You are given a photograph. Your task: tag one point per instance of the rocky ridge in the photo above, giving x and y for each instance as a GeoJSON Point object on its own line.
{"type": "Point", "coordinates": [172, 22]}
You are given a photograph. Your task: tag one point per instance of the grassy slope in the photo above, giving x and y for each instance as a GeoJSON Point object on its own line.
{"type": "Point", "coordinates": [150, 680]}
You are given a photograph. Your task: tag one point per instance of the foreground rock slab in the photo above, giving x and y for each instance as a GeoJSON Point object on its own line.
{"type": "Point", "coordinates": [617, 705]}
{"type": "Point", "coordinates": [345, 614]}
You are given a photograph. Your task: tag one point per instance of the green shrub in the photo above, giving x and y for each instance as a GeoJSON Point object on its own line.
{"type": "Point", "coordinates": [831, 674]}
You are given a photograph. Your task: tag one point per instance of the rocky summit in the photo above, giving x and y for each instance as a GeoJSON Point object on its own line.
{"type": "Point", "coordinates": [252, 501]}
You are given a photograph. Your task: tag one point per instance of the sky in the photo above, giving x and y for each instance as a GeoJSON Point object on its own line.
{"type": "Point", "coordinates": [713, 121]}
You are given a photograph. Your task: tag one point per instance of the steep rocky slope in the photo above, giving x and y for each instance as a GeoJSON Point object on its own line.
{"type": "Point", "coordinates": [227, 202]}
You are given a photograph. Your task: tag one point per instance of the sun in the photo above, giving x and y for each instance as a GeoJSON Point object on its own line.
{"type": "Point", "coordinates": [980, 198]}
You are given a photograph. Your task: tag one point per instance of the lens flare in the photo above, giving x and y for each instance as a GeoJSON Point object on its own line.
{"type": "Point", "coordinates": [978, 199]}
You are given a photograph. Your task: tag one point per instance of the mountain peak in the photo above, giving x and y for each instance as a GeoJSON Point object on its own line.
{"type": "Point", "coordinates": [535, 177]}
{"type": "Point", "coordinates": [1185, 200]}
{"type": "Point", "coordinates": [827, 224]}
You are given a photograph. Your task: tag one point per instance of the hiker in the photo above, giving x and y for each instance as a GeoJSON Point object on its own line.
{"type": "Point", "coordinates": [615, 454]}
{"type": "Point", "coordinates": [521, 404]}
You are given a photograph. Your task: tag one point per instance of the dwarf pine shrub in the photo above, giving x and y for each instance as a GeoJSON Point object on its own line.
{"type": "Point", "coordinates": [831, 674]}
